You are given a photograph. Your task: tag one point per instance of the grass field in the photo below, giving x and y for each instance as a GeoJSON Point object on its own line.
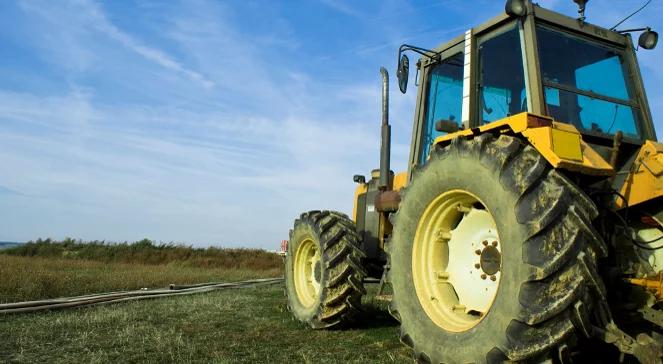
{"type": "Point", "coordinates": [46, 269]}
{"type": "Point", "coordinates": [248, 325]}
{"type": "Point", "coordinates": [23, 278]}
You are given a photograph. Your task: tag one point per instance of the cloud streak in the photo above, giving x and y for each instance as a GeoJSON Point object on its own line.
{"type": "Point", "coordinates": [90, 16]}
{"type": "Point", "coordinates": [198, 123]}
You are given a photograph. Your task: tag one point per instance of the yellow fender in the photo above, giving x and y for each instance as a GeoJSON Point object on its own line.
{"type": "Point", "coordinates": [645, 179]}
{"type": "Point", "coordinates": [559, 143]}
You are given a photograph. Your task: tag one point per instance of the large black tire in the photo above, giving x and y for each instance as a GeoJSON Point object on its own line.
{"type": "Point", "coordinates": [549, 283]}
{"type": "Point", "coordinates": [339, 273]}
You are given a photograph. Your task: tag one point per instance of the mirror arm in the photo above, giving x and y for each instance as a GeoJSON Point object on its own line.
{"type": "Point", "coordinates": [431, 54]}
{"type": "Point", "coordinates": [633, 30]}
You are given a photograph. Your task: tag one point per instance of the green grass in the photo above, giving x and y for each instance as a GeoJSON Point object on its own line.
{"type": "Point", "coordinates": [234, 326]}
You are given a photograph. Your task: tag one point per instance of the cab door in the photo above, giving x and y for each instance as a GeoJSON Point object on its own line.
{"type": "Point", "coordinates": [440, 98]}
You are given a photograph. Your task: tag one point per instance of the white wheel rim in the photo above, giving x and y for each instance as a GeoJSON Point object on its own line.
{"type": "Point", "coordinates": [456, 261]}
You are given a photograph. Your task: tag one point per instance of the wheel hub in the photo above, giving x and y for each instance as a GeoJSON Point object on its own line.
{"type": "Point", "coordinates": [490, 259]}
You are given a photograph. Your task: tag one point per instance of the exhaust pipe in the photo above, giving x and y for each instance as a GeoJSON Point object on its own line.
{"type": "Point", "coordinates": [385, 142]}
{"type": "Point", "coordinates": [386, 200]}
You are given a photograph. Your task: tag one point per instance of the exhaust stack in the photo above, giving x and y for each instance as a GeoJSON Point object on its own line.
{"type": "Point", "coordinates": [385, 142]}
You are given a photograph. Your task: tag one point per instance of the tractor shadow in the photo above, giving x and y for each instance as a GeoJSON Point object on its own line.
{"type": "Point", "coordinates": [374, 315]}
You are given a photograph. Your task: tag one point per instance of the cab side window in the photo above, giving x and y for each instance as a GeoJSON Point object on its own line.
{"type": "Point", "coordinates": [501, 77]}
{"type": "Point", "coordinates": [444, 99]}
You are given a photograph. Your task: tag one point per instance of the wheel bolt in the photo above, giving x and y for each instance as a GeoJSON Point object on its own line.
{"type": "Point", "coordinates": [494, 243]}
{"type": "Point", "coordinates": [485, 243]}
{"type": "Point", "coordinates": [477, 266]}
{"type": "Point", "coordinates": [478, 252]}
{"type": "Point", "coordinates": [493, 278]}
{"type": "Point", "coordinates": [483, 276]}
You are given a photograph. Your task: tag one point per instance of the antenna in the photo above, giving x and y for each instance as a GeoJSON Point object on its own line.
{"type": "Point", "coordinates": [628, 17]}
{"type": "Point", "coordinates": [582, 4]}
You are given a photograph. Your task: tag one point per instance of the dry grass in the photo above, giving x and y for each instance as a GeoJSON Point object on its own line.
{"type": "Point", "coordinates": [48, 269]}
{"type": "Point", "coordinates": [29, 278]}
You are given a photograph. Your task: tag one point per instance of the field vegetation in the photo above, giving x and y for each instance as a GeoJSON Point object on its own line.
{"type": "Point", "coordinates": [49, 269]}
{"type": "Point", "coordinates": [245, 325]}
{"type": "Point", "coordinates": [249, 325]}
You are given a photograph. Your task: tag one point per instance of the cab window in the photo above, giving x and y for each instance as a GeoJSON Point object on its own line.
{"type": "Point", "coordinates": [586, 84]}
{"type": "Point", "coordinates": [501, 77]}
{"type": "Point", "coordinates": [444, 99]}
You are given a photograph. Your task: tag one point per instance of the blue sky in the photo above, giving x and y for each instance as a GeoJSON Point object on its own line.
{"type": "Point", "coordinates": [212, 122]}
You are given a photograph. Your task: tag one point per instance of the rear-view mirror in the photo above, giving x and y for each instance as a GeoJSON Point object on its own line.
{"type": "Point", "coordinates": [403, 72]}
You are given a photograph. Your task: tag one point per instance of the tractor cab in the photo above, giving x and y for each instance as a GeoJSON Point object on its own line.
{"type": "Point", "coordinates": [533, 60]}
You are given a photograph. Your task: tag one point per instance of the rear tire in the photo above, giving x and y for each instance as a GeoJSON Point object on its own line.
{"type": "Point", "coordinates": [323, 272]}
{"type": "Point", "coordinates": [548, 284]}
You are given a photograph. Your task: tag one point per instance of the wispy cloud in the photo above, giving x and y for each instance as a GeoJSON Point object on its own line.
{"type": "Point", "coordinates": [6, 191]}
{"type": "Point", "coordinates": [342, 7]}
{"type": "Point", "coordinates": [88, 15]}
{"type": "Point", "coordinates": [188, 123]}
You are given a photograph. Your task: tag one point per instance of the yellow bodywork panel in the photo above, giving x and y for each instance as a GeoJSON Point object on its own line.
{"type": "Point", "coordinates": [645, 180]}
{"type": "Point", "coordinates": [400, 181]}
{"type": "Point", "coordinates": [397, 182]}
{"type": "Point", "coordinates": [566, 144]}
{"type": "Point", "coordinates": [361, 189]}
{"type": "Point", "coordinates": [559, 143]}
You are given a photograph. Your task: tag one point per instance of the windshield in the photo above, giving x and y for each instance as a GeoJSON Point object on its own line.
{"type": "Point", "coordinates": [585, 85]}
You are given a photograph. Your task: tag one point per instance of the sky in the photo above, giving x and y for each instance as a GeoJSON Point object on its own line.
{"type": "Point", "coordinates": [214, 122]}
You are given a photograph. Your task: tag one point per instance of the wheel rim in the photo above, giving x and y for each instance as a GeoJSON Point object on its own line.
{"type": "Point", "coordinates": [456, 261]}
{"type": "Point", "coordinates": [307, 272]}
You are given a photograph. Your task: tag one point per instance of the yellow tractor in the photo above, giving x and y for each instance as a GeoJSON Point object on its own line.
{"type": "Point", "coordinates": [529, 224]}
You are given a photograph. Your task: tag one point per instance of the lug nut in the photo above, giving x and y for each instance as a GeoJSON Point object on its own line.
{"type": "Point", "coordinates": [494, 243]}
{"type": "Point", "coordinates": [477, 266]}
{"type": "Point", "coordinates": [483, 276]}
{"type": "Point", "coordinates": [493, 278]}
{"type": "Point", "coordinates": [478, 252]}
{"type": "Point", "coordinates": [485, 243]}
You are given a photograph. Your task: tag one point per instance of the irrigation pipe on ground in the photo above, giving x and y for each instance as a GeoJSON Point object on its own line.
{"type": "Point", "coordinates": [113, 297]}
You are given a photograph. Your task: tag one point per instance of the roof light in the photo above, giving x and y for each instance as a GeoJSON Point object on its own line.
{"type": "Point", "coordinates": [516, 8]}
{"type": "Point", "coordinates": [648, 39]}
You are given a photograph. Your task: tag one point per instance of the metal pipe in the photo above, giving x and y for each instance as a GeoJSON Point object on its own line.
{"type": "Point", "coordinates": [385, 141]}
{"type": "Point", "coordinates": [616, 144]}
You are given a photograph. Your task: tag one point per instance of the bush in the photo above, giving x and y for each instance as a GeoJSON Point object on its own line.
{"type": "Point", "coordinates": [148, 252]}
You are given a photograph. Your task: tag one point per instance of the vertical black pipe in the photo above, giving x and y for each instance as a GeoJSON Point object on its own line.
{"type": "Point", "coordinates": [385, 142]}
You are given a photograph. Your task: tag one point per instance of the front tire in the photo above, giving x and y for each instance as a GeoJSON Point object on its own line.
{"type": "Point", "coordinates": [323, 272]}
{"type": "Point", "coordinates": [531, 283]}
